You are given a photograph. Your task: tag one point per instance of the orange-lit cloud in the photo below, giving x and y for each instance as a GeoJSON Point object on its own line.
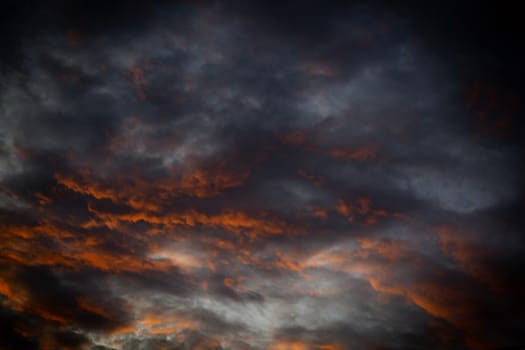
{"type": "Point", "coordinates": [302, 345]}
{"type": "Point", "coordinates": [462, 247]}
{"type": "Point", "coordinates": [360, 210]}
{"type": "Point", "coordinates": [361, 153]}
{"type": "Point", "coordinates": [178, 178]}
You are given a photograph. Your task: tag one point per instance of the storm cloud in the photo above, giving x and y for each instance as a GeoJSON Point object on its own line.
{"type": "Point", "coordinates": [246, 175]}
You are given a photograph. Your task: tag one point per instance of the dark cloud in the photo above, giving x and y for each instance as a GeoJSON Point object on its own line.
{"type": "Point", "coordinates": [234, 175]}
{"type": "Point", "coordinates": [11, 338]}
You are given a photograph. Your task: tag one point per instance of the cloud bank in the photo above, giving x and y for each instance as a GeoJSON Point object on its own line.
{"type": "Point", "coordinates": [218, 175]}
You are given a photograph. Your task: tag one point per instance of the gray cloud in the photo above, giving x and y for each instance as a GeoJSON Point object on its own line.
{"type": "Point", "coordinates": [230, 176]}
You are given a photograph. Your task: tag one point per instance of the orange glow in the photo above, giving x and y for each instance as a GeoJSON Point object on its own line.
{"type": "Point", "coordinates": [290, 345]}
{"type": "Point", "coordinates": [21, 232]}
{"type": "Point", "coordinates": [391, 250]}
{"type": "Point", "coordinates": [13, 298]}
{"type": "Point", "coordinates": [330, 347]}
{"type": "Point", "coordinates": [43, 199]}
{"type": "Point", "coordinates": [302, 345]}
{"type": "Point", "coordinates": [379, 287]}
{"type": "Point", "coordinates": [360, 211]}
{"type": "Point", "coordinates": [183, 260]}
{"type": "Point", "coordinates": [142, 195]}
{"type": "Point", "coordinates": [124, 330]}
{"type": "Point", "coordinates": [229, 282]}
{"type": "Point", "coordinates": [463, 249]}
{"type": "Point", "coordinates": [344, 209]}
{"type": "Point", "coordinates": [166, 324]}
{"type": "Point", "coordinates": [89, 306]}
{"type": "Point", "coordinates": [320, 214]}
{"type": "Point", "coordinates": [206, 184]}
{"type": "Point", "coordinates": [232, 221]}
{"type": "Point", "coordinates": [110, 262]}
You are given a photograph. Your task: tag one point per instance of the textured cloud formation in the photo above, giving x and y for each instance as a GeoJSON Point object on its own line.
{"type": "Point", "coordinates": [222, 175]}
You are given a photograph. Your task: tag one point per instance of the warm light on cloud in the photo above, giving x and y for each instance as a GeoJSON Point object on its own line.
{"type": "Point", "coordinates": [180, 259]}
{"type": "Point", "coordinates": [244, 176]}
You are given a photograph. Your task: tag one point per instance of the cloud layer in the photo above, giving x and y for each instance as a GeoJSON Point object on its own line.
{"type": "Point", "coordinates": [230, 176]}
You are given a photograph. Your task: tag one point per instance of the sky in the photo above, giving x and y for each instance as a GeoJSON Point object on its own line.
{"type": "Point", "coordinates": [251, 175]}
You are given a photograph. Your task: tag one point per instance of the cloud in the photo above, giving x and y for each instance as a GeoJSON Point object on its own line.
{"type": "Point", "coordinates": [237, 176]}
